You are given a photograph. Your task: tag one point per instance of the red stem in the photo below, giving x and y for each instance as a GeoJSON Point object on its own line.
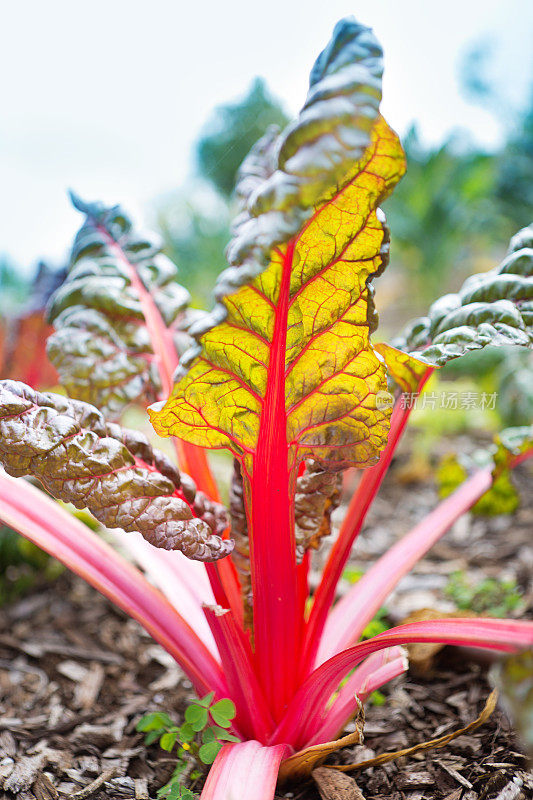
{"type": "Point", "coordinates": [360, 503]}
{"type": "Point", "coordinates": [271, 512]}
{"type": "Point", "coordinates": [253, 715]}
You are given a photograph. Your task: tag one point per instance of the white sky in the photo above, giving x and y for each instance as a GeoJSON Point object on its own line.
{"type": "Point", "coordinates": [107, 96]}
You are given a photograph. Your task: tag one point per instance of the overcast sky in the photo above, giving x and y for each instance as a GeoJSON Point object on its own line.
{"type": "Point", "coordinates": [107, 96]}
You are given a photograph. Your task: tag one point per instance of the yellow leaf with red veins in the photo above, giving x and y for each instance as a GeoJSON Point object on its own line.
{"type": "Point", "coordinates": [287, 352]}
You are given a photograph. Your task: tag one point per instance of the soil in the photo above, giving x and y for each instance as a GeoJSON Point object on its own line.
{"type": "Point", "coordinates": [76, 675]}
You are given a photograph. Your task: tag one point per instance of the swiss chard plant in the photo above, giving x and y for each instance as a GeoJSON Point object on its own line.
{"type": "Point", "coordinates": [283, 373]}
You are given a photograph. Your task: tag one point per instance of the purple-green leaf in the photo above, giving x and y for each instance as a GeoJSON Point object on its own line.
{"type": "Point", "coordinates": [492, 308]}
{"type": "Point", "coordinates": [102, 347]}
{"type": "Point", "coordinates": [113, 472]}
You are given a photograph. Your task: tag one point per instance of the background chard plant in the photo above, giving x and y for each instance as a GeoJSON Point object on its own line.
{"type": "Point", "coordinates": [282, 373]}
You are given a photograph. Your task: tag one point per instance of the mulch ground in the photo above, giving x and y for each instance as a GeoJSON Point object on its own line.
{"type": "Point", "coordinates": [76, 675]}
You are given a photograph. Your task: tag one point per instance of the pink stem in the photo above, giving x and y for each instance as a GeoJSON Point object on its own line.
{"type": "Point", "coordinates": [272, 542]}
{"type": "Point", "coordinates": [508, 636]}
{"type": "Point", "coordinates": [372, 674]}
{"type": "Point", "coordinates": [354, 611]}
{"type": "Point", "coordinates": [46, 524]}
{"type": "Point", "coordinates": [247, 770]}
{"type": "Point", "coordinates": [183, 582]}
{"type": "Point", "coordinates": [360, 503]}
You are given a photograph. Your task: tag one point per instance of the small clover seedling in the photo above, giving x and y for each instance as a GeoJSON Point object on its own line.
{"type": "Point", "coordinates": [197, 737]}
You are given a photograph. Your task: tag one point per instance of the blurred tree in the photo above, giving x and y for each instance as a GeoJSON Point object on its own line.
{"type": "Point", "coordinates": [231, 131]}
{"type": "Point", "coordinates": [442, 215]}
{"type": "Point", "coordinates": [195, 221]}
{"type": "Point", "coordinates": [513, 188]}
{"type": "Point", "coordinates": [195, 225]}
{"type": "Point", "coordinates": [514, 178]}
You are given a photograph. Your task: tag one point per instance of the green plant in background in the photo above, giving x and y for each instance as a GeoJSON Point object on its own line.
{"type": "Point", "coordinates": [198, 740]}
{"type": "Point", "coordinates": [230, 133]}
{"type": "Point", "coordinates": [488, 596]}
{"type": "Point", "coordinates": [21, 564]}
{"type": "Point", "coordinates": [195, 221]}
{"type": "Point", "coordinates": [441, 215]}
{"type": "Point", "coordinates": [502, 498]}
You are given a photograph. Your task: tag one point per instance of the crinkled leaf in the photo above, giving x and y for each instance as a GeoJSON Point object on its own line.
{"type": "Point", "coordinates": [113, 472]}
{"type": "Point", "coordinates": [491, 308]}
{"type": "Point", "coordinates": [290, 336]}
{"type": "Point", "coordinates": [318, 493]}
{"type": "Point", "coordinates": [102, 347]}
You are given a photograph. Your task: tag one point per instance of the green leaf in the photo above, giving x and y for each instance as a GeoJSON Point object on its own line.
{"type": "Point", "coordinates": [492, 308]}
{"type": "Point", "coordinates": [153, 736]}
{"type": "Point", "coordinates": [223, 736]}
{"type": "Point", "coordinates": [101, 347]}
{"type": "Point", "coordinates": [223, 712]}
{"type": "Point", "coordinates": [168, 740]}
{"type": "Point", "coordinates": [196, 716]}
{"type": "Point", "coordinates": [377, 699]}
{"type": "Point", "coordinates": [208, 752]}
{"type": "Point", "coordinates": [157, 720]}
{"type": "Point", "coordinates": [114, 472]}
{"type": "Point", "coordinates": [186, 732]}
{"type": "Point", "coordinates": [209, 735]}
{"type": "Point", "coordinates": [206, 701]}
{"type": "Point", "coordinates": [513, 677]}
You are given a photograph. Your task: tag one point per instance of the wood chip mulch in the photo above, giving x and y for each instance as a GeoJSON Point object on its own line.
{"type": "Point", "coordinates": [76, 675]}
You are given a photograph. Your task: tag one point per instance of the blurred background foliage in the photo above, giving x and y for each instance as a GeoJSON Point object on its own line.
{"type": "Point", "coordinates": [451, 215]}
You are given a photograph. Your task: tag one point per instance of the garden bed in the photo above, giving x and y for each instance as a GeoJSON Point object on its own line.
{"type": "Point", "coordinates": [76, 675]}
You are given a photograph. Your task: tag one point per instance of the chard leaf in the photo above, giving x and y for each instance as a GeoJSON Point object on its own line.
{"type": "Point", "coordinates": [115, 473]}
{"type": "Point", "coordinates": [318, 493]}
{"type": "Point", "coordinates": [406, 370]}
{"type": "Point", "coordinates": [239, 531]}
{"type": "Point", "coordinates": [288, 344]}
{"type": "Point", "coordinates": [492, 308]}
{"type": "Point", "coordinates": [102, 346]}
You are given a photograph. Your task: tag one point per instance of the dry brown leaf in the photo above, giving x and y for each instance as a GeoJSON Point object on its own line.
{"type": "Point", "coordinates": [334, 785]}
{"type": "Point", "coordinates": [301, 764]}
{"type": "Point", "coordinates": [440, 741]}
